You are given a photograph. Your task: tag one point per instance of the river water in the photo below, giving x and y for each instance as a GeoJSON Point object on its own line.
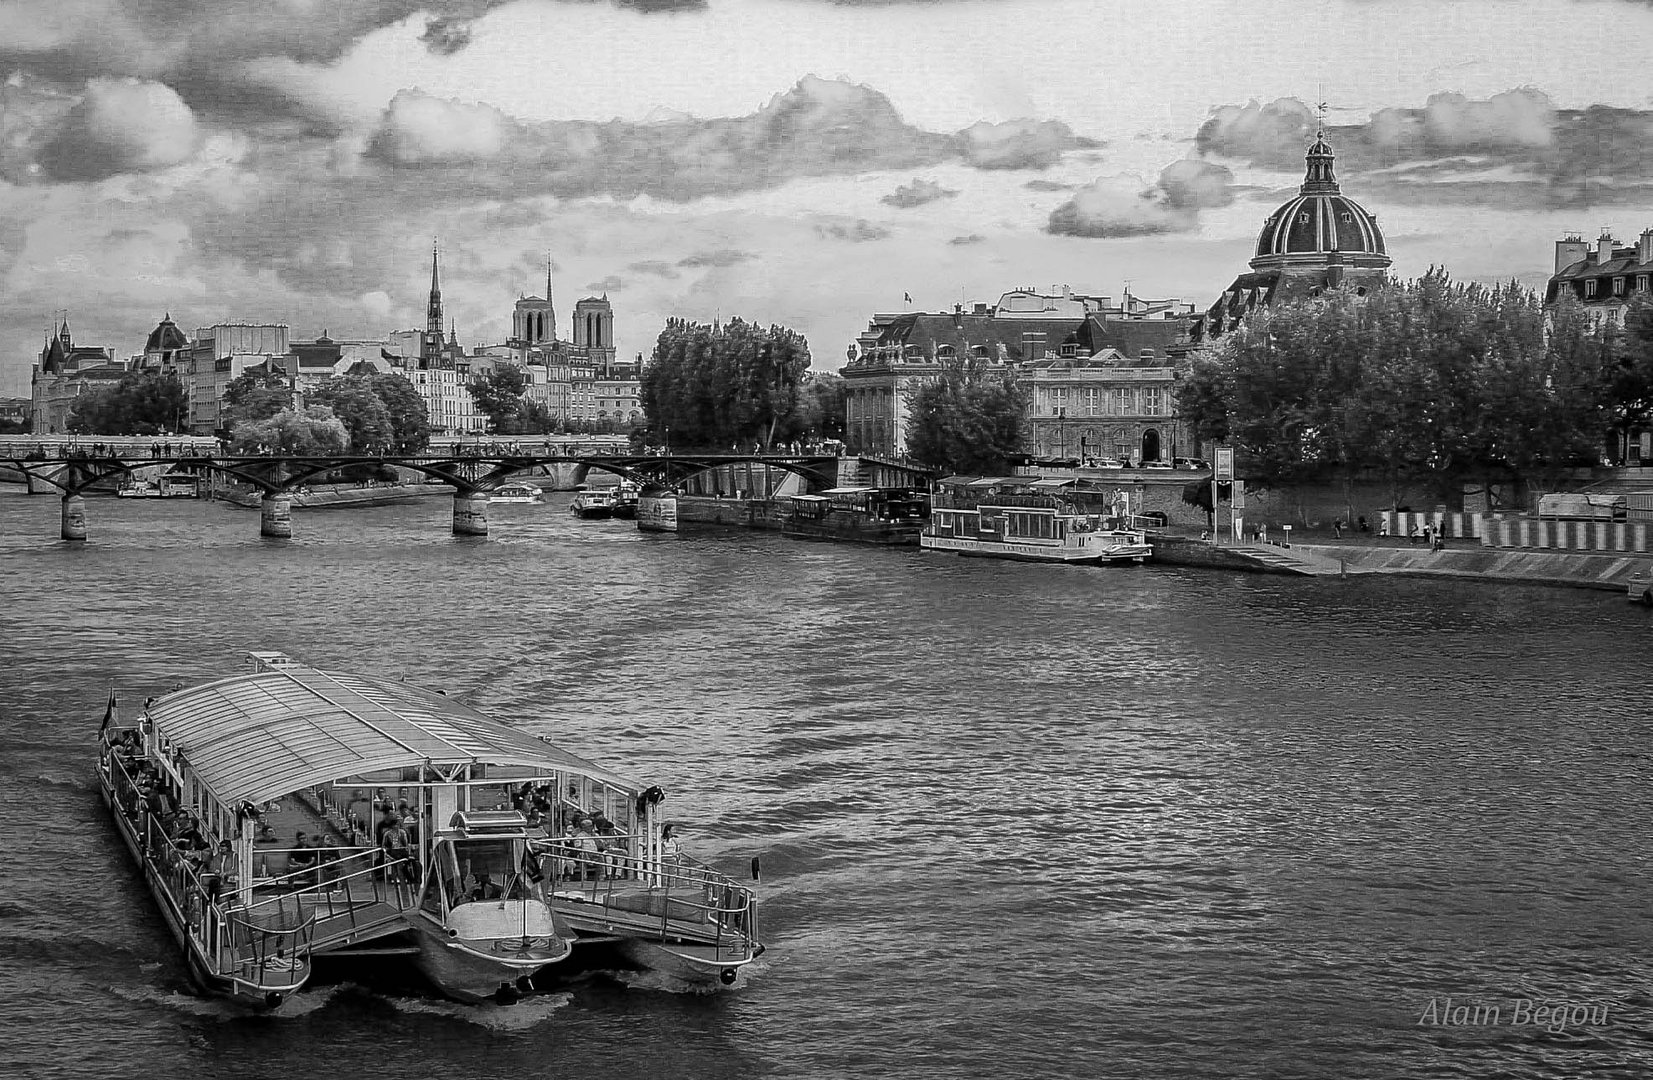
{"type": "Point", "coordinates": [1015, 821]}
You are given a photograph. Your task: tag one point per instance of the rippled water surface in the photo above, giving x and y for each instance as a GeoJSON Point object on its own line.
{"type": "Point", "coordinates": [1015, 821]}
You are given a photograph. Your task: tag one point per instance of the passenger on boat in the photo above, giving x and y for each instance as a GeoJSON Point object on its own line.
{"type": "Point", "coordinates": [612, 847]}
{"type": "Point", "coordinates": [218, 870]}
{"type": "Point", "coordinates": [327, 853]}
{"type": "Point", "coordinates": [301, 861]}
{"type": "Point", "coordinates": [396, 844]}
{"type": "Point", "coordinates": [580, 843]}
{"type": "Point", "coordinates": [669, 847]}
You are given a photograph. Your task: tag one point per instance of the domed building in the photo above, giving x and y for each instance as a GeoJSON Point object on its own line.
{"type": "Point", "coordinates": [1320, 239]}
{"type": "Point", "coordinates": [166, 347]}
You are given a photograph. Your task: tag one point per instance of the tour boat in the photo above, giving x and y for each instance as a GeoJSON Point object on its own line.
{"type": "Point", "coordinates": [477, 894]}
{"type": "Point", "coordinates": [139, 489]}
{"type": "Point", "coordinates": [657, 508]}
{"type": "Point", "coordinates": [626, 497]}
{"type": "Point", "coordinates": [868, 515]}
{"type": "Point", "coordinates": [593, 503]}
{"type": "Point", "coordinates": [515, 491]}
{"type": "Point", "coordinates": [1038, 526]}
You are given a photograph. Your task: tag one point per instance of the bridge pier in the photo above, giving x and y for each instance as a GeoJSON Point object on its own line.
{"type": "Point", "coordinates": [275, 516]}
{"type": "Point", "coordinates": [470, 513]}
{"type": "Point", "coordinates": [74, 518]}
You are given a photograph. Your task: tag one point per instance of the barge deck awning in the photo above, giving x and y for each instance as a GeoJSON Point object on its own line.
{"type": "Point", "coordinates": [261, 736]}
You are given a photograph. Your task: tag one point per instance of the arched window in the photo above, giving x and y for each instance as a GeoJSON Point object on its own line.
{"type": "Point", "coordinates": [946, 352]}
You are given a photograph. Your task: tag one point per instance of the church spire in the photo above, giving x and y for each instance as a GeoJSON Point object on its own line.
{"type": "Point", "coordinates": [433, 314]}
{"type": "Point", "coordinates": [550, 333]}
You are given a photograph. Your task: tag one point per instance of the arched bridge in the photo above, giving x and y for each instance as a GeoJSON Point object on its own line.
{"type": "Point", "coordinates": [471, 472]}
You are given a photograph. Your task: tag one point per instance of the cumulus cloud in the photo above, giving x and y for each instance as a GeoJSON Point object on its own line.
{"type": "Point", "coordinates": [820, 127]}
{"type": "Point", "coordinates": [917, 193]}
{"type": "Point", "coordinates": [119, 126]}
{"type": "Point", "coordinates": [1273, 135]}
{"type": "Point", "coordinates": [1119, 205]}
{"type": "Point", "coordinates": [1192, 184]}
{"type": "Point", "coordinates": [856, 232]}
{"type": "Point", "coordinates": [1019, 144]}
{"type": "Point", "coordinates": [422, 130]}
{"type": "Point", "coordinates": [1122, 205]}
{"type": "Point", "coordinates": [1519, 120]}
{"type": "Point", "coordinates": [607, 285]}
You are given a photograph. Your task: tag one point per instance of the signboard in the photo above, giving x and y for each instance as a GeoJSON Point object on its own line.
{"type": "Point", "coordinates": [1239, 495]}
{"type": "Point", "coordinates": [1225, 464]}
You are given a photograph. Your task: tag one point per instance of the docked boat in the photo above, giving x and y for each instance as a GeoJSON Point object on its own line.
{"type": "Point", "coordinates": [1044, 522]}
{"type": "Point", "coordinates": [593, 503]}
{"type": "Point", "coordinates": [626, 497]}
{"type": "Point", "coordinates": [217, 790]}
{"type": "Point", "coordinates": [868, 515]}
{"type": "Point", "coordinates": [139, 489]}
{"type": "Point", "coordinates": [657, 508]}
{"type": "Point", "coordinates": [516, 491]}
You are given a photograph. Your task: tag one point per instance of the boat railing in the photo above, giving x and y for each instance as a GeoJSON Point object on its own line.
{"type": "Point", "coordinates": [346, 896]}
{"type": "Point", "coordinates": [726, 904]}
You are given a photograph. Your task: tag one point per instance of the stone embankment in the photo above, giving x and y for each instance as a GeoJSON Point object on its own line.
{"type": "Point", "coordinates": [1585, 570]}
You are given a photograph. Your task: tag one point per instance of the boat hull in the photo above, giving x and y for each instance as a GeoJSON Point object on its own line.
{"type": "Point", "coordinates": [704, 966]}
{"type": "Point", "coordinates": [1051, 553]}
{"type": "Point", "coordinates": [657, 513]}
{"type": "Point", "coordinates": [474, 971]}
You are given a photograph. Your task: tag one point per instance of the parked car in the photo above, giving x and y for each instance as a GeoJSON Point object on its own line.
{"type": "Point", "coordinates": [1190, 463]}
{"type": "Point", "coordinates": [1151, 519]}
{"type": "Point", "coordinates": [1641, 588]}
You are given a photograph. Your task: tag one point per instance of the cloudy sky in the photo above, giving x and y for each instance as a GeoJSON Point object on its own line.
{"type": "Point", "coordinates": [806, 162]}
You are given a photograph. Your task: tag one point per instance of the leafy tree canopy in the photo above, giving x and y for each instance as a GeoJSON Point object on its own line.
{"type": "Point", "coordinates": [967, 420]}
{"type": "Point", "coordinates": [499, 395]}
{"type": "Point", "coordinates": [312, 430]}
{"type": "Point", "coordinates": [255, 395]}
{"type": "Point", "coordinates": [725, 383]}
{"type": "Point", "coordinates": [1427, 381]}
{"type": "Point", "coordinates": [142, 403]}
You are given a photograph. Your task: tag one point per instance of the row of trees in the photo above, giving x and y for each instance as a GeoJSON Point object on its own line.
{"type": "Point", "coordinates": [362, 414]}
{"type": "Point", "coordinates": [734, 383]}
{"type": "Point", "coordinates": [142, 403]}
{"type": "Point", "coordinates": [1426, 383]}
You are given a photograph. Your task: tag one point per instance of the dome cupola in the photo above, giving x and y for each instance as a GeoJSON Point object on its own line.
{"type": "Point", "coordinates": [1320, 226]}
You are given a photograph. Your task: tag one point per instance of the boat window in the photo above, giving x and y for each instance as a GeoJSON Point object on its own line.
{"type": "Point", "coordinates": [486, 868]}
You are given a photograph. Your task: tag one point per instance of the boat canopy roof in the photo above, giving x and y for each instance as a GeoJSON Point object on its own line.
{"type": "Point", "coordinates": [1054, 482]}
{"type": "Point", "coordinates": [267, 734]}
{"type": "Point", "coordinates": [848, 490]}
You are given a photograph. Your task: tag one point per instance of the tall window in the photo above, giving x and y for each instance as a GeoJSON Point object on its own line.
{"type": "Point", "coordinates": [1119, 401]}
{"type": "Point", "coordinates": [1153, 401]}
{"type": "Point", "coordinates": [1618, 286]}
{"type": "Point", "coordinates": [1590, 288]}
{"type": "Point", "coordinates": [1058, 399]}
{"type": "Point", "coordinates": [1093, 401]}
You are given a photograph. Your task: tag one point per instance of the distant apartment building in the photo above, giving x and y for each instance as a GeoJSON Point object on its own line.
{"type": "Point", "coordinates": [1604, 277]}
{"type": "Point", "coordinates": [222, 353]}
{"type": "Point", "coordinates": [1066, 345]}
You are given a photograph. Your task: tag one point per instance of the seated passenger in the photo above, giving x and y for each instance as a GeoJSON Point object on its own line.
{"type": "Point", "coordinates": [485, 888]}
{"type": "Point", "coordinates": [301, 861]}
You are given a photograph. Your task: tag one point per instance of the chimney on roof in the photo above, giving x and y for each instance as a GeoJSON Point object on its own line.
{"type": "Point", "coordinates": [1604, 248]}
{"type": "Point", "coordinates": [1570, 249]}
{"type": "Point", "coordinates": [1644, 247]}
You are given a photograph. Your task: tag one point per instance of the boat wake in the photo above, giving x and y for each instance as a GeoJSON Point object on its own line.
{"type": "Point", "coordinates": [527, 1013]}
{"type": "Point", "coordinates": [178, 1001]}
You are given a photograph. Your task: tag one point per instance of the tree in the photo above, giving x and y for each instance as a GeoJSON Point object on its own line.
{"type": "Point", "coordinates": [409, 419]}
{"type": "Point", "coordinates": [821, 408]}
{"type": "Point", "coordinates": [499, 395]}
{"type": "Point", "coordinates": [967, 420]}
{"type": "Point", "coordinates": [364, 414]}
{"type": "Point", "coordinates": [721, 384]}
{"type": "Point", "coordinates": [312, 430]}
{"type": "Point", "coordinates": [255, 395]}
{"type": "Point", "coordinates": [142, 403]}
{"type": "Point", "coordinates": [1424, 382]}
